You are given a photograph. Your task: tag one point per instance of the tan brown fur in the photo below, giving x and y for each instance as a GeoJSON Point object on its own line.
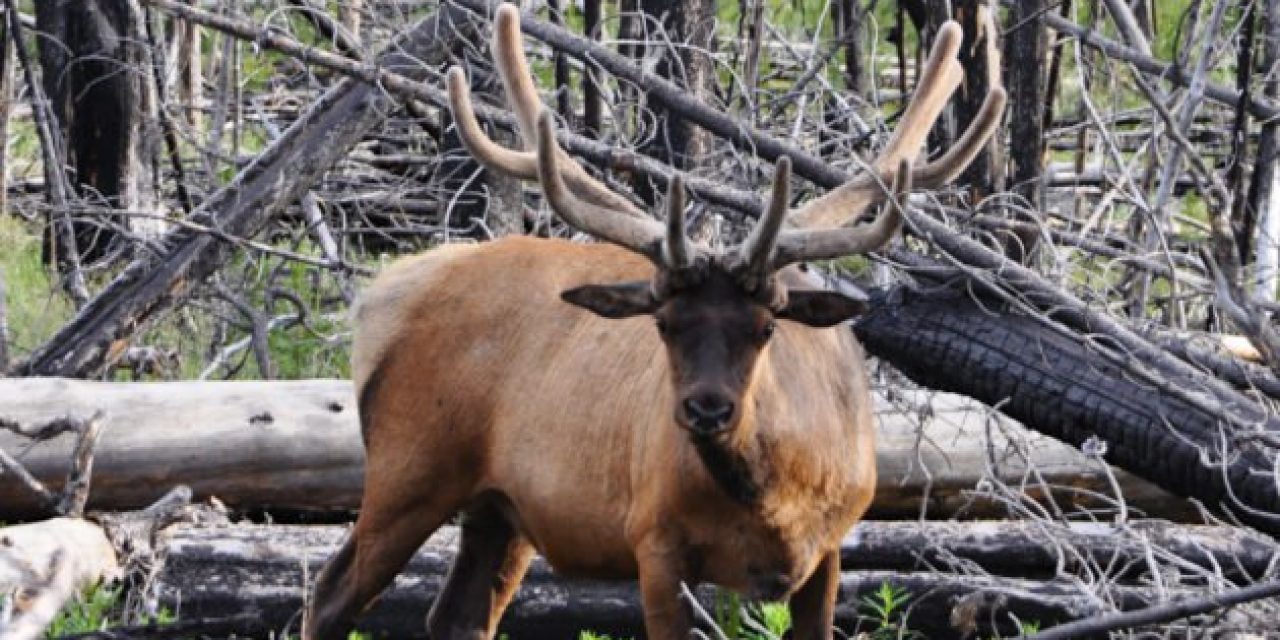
{"type": "Point", "coordinates": [707, 431]}
{"type": "Point", "coordinates": [551, 415]}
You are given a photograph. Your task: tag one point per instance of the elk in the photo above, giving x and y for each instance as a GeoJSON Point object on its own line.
{"type": "Point", "coordinates": [645, 407]}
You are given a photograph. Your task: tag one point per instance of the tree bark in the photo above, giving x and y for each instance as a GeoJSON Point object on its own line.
{"type": "Point", "coordinates": [980, 57]}
{"type": "Point", "coordinates": [1264, 194]}
{"type": "Point", "coordinates": [691, 25]}
{"type": "Point", "coordinates": [106, 108]}
{"type": "Point", "coordinates": [295, 446]}
{"type": "Point", "coordinates": [1026, 48]}
{"type": "Point", "coordinates": [592, 103]}
{"type": "Point", "coordinates": [153, 283]}
{"type": "Point", "coordinates": [850, 25]}
{"type": "Point", "coordinates": [7, 55]}
{"type": "Point", "coordinates": [1069, 391]}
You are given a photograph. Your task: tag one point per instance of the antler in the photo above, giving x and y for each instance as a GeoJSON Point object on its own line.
{"type": "Point", "coordinates": [938, 80]}
{"type": "Point", "coordinates": [639, 235]}
{"type": "Point", "coordinates": [634, 231]}
{"type": "Point", "coordinates": [588, 205]}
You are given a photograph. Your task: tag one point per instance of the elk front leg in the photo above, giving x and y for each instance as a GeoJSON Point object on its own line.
{"type": "Point", "coordinates": [813, 605]}
{"type": "Point", "coordinates": [661, 569]}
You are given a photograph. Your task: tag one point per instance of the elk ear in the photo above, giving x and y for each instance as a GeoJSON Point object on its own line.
{"type": "Point", "coordinates": [615, 301]}
{"type": "Point", "coordinates": [821, 308]}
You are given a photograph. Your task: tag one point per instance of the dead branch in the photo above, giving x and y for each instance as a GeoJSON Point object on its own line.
{"type": "Point", "coordinates": [1259, 108]}
{"type": "Point", "coordinates": [336, 122]}
{"type": "Point", "coordinates": [1161, 613]}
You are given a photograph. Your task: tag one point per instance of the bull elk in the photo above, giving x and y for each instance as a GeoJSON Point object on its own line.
{"type": "Point", "coordinates": [686, 416]}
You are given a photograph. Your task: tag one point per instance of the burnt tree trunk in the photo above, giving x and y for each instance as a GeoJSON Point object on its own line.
{"type": "Point", "coordinates": [592, 104]}
{"type": "Point", "coordinates": [96, 74]}
{"type": "Point", "coordinates": [1026, 49]}
{"type": "Point", "coordinates": [483, 203]}
{"type": "Point", "coordinates": [850, 22]}
{"type": "Point", "coordinates": [979, 57]}
{"type": "Point", "coordinates": [690, 24]}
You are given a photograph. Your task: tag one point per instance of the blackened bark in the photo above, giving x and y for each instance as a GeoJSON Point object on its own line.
{"type": "Point", "coordinates": [1025, 52]}
{"type": "Point", "coordinates": [215, 572]}
{"type": "Point", "coordinates": [7, 55]}
{"type": "Point", "coordinates": [94, 61]}
{"type": "Point", "coordinates": [1026, 45]}
{"type": "Point", "coordinates": [690, 24]}
{"type": "Point", "coordinates": [850, 20]}
{"type": "Point", "coordinates": [983, 176]}
{"type": "Point", "coordinates": [1242, 216]}
{"type": "Point", "coordinates": [1068, 390]}
{"type": "Point", "coordinates": [564, 97]}
{"type": "Point", "coordinates": [592, 105]}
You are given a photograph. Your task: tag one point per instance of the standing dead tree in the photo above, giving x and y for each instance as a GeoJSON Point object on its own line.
{"type": "Point", "coordinates": [96, 71]}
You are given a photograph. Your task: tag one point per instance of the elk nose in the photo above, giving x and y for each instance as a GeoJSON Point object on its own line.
{"type": "Point", "coordinates": [709, 413]}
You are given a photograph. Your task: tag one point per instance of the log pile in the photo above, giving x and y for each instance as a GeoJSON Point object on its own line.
{"type": "Point", "coordinates": [961, 577]}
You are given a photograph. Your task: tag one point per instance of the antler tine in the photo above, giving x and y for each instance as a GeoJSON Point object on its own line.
{"type": "Point", "coordinates": [755, 256]}
{"type": "Point", "coordinates": [947, 167]}
{"type": "Point", "coordinates": [508, 53]}
{"type": "Point", "coordinates": [823, 244]}
{"type": "Point", "coordinates": [508, 48]}
{"type": "Point", "coordinates": [513, 68]}
{"type": "Point", "coordinates": [940, 78]}
{"type": "Point", "coordinates": [678, 254]}
{"type": "Point", "coordinates": [522, 164]}
{"type": "Point", "coordinates": [637, 234]}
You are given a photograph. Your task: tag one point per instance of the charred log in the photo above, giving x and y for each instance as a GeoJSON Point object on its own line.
{"type": "Point", "coordinates": [1067, 389]}
{"type": "Point", "coordinates": [214, 573]}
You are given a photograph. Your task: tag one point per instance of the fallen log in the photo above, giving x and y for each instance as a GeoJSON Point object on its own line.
{"type": "Point", "coordinates": [1070, 391]}
{"type": "Point", "coordinates": [295, 445]}
{"type": "Point", "coordinates": [217, 572]}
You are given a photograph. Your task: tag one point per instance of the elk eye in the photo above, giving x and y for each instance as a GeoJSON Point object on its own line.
{"type": "Point", "coordinates": [767, 330]}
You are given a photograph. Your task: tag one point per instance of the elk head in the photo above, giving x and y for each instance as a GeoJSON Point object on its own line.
{"type": "Point", "coordinates": [717, 310]}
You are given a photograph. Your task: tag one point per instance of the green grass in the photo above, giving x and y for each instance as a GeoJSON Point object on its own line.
{"type": "Point", "coordinates": [36, 305]}
{"type": "Point", "coordinates": [96, 609]}
{"type": "Point", "coordinates": [37, 308]}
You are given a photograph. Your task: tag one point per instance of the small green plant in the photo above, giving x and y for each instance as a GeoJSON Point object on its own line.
{"type": "Point", "coordinates": [89, 611]}
{"type": "Point", "coordinates": [775, 616]}
{"type": "Point", "coordinates": [886, 610]}
{"type": "Point", "coordinates": [96, 609]}
{"type": "Point", "coordinates": [591, 635]}
{"type": "Point", "coordinates": [751, 621]}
